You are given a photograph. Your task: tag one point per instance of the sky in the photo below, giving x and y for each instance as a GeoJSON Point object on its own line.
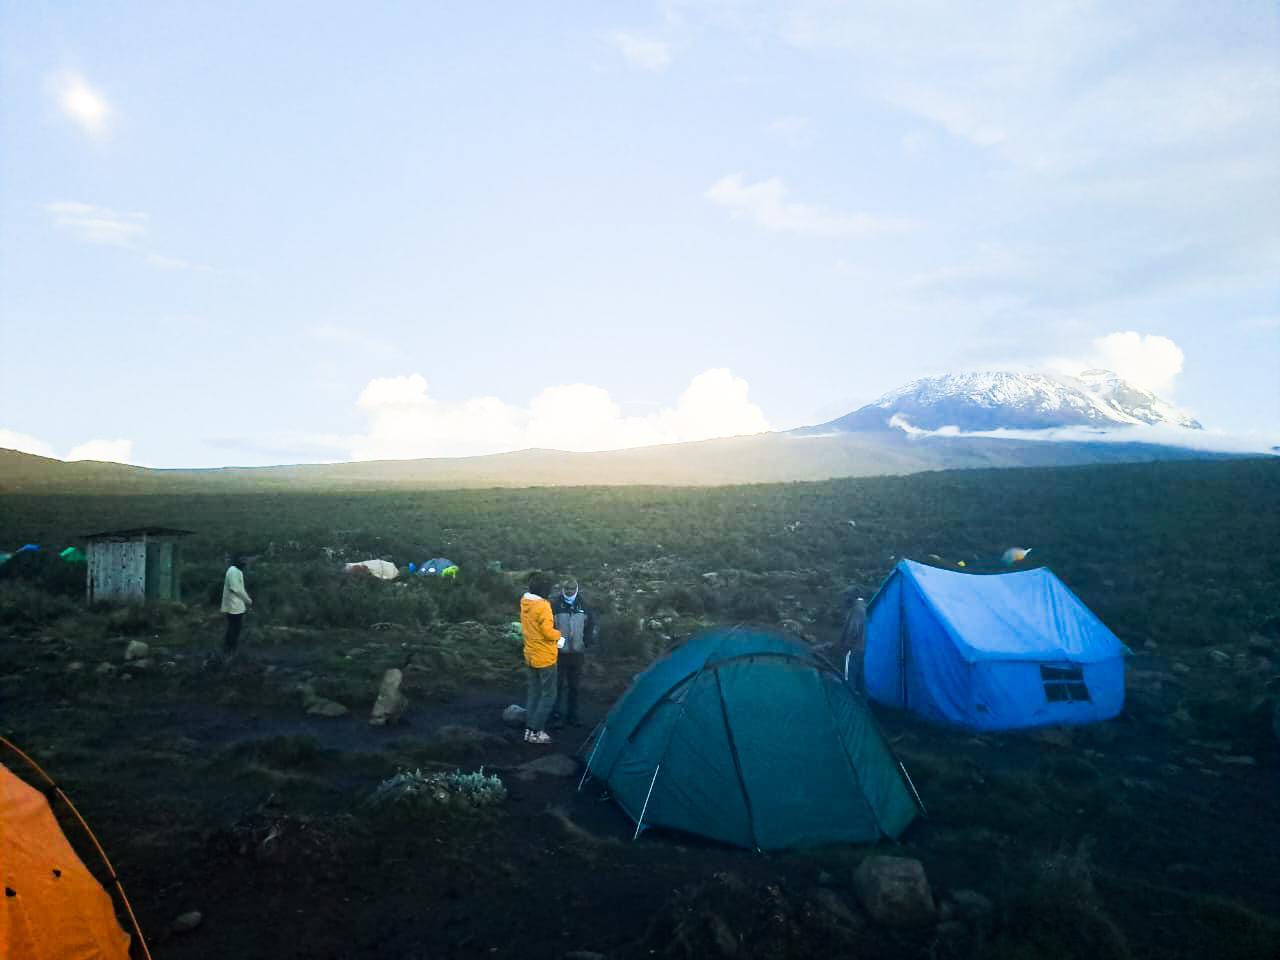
{"type": "Point", "coordinates": [294, 232]}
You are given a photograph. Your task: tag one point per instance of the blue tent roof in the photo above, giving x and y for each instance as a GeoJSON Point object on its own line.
{"type": "Point", "coordinates": [1028, 615]}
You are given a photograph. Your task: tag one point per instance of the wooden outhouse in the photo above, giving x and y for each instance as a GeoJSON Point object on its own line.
{"type": "Point", "coordinates": [144, 563]}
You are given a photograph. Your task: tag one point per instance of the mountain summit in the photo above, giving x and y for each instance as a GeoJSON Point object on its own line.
{"type": "Point", "coordinates": [1012, 401]}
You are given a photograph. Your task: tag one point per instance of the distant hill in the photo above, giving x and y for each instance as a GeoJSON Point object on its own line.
{"type": "Point", "coordinates": [766, 458]}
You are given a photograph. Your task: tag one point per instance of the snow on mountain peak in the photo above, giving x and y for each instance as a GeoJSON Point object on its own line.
{"type": "Point", "coordinates": [999, 399]}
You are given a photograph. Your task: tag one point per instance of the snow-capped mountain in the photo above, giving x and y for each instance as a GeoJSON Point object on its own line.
{"type": "Point", "coordinates": [1016, 401]}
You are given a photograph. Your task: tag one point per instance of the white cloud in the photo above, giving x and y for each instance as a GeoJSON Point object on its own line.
{"type": "Point", "coordinates": [348, 336]}
{"type": "Point", "coordinates": [1211, 441]}
{"type": "Point", "coordinates": [12, 440]}
{"type": "Point", "coordinates": [647, 53]}
{"type": "Point", "coordinates": [94, 224]}
{"type": "Point", "coordinates": [108, 451]}
{"type": "Point", "coordinates": [115, 451]}
{"type": "Point", "coordinates": [81, 103]}
{"type": "Point", "coordinates": [406, 422]}
{"type": "Point", "coordinates": [1149, 361]}
{"type": "Point", "coordinates": [765, 204]}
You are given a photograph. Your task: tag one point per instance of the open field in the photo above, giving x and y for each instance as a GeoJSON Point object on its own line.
{"type": "Point", "coordinates": [213, 789]}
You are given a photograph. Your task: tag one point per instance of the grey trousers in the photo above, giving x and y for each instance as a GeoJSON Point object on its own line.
{"type": "Point", "coordinates": [542, 696]}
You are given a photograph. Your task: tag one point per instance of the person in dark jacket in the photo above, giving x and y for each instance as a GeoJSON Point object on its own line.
{"type": "Point", "coordinates": [853, 640]}
{"type": "Point", "coordinates": [577, 625]}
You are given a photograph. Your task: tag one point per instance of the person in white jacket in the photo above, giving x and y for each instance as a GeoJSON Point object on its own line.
{"type": "Point", "coordinates": [235, 601]}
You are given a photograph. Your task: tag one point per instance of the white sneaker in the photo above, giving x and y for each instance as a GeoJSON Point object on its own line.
{"type": "Point", "coordinates": [539, 737]}
{"type": "Point", "coordinates": [527, 734]}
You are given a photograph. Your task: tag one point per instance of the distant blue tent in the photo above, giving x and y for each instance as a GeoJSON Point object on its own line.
{"type": "Point", "coordinates": [438, 566]}
{"type": "Point", "coordinates": [990, 652]}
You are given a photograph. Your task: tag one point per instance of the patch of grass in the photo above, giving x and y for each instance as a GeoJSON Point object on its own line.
{"type": "Point", "coordinates": [1234, 931]}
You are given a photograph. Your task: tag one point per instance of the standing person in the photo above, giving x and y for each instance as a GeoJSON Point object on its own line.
{"type": "Point", "coordinates": [542, 643]}
{"type": "Point", "coordinates": [235, 601]}
{"type": "Point", "coordinates": [853, 639]}
{"type": "Point", "coordinates": [577, 625]}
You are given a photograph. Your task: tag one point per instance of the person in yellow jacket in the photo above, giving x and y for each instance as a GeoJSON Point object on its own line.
{"type": "Point", "coordinates": [542, 643]}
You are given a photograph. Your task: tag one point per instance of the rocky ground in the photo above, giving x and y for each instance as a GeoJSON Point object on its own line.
{"type": "Point", "coordinates": [238, 804]}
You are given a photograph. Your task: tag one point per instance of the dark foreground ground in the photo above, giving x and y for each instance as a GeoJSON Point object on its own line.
{"type": "Point", "coordinates": [1156, 835]}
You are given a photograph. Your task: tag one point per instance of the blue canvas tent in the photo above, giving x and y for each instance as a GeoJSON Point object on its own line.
{"type": "Point", "coordinates": [749, 738]}
{"type": "Point", "coordinates": [990, 652]}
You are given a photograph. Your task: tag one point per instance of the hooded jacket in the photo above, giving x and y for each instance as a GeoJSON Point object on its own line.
{"type": "Point", "coordinates": [575, 622]}
{"type": "Point", "coordinates": [540, 633]}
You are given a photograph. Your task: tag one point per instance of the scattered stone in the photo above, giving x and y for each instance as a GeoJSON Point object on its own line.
{"type": "Point", "coordinates": [1238, 761]}
{"type": "Point", "coordinates": [138, 666]}
{"type": "Point", "coordinates": [553, 765]}
{"type": "Point", "coordinates": [1057, 736]}
{"type": "Point", "coordinates": [105, 668]}
{"type": "Point", "coordinates": [75, 666]}
{"type": "Point", "coordinates": [136, 650]}
{"type": "Point", "coordinates": [391, 703]}
{"type": "Point", "coordinates": [514, 715]}
{"type": "Point", "coordinates": [895, 891]}
{"type": "Point", "coordinates": [972, 907]}
{"type": "Point", "coordinates": [1180, 667]}
{"type": "Point", "coordinates": [186, 922]}
{"type": "Point", "coordinates": [320, 707]}
{"type": "Point", "coordinates": [830, 901]}
{"type": "Point", "coordinates": [1219, 656]}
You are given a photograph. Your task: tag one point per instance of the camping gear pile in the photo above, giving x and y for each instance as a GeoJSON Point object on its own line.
{"type": "Point", "coordinates": [435, 567]}
{"type": "Point", "coordinates": [379, 569]}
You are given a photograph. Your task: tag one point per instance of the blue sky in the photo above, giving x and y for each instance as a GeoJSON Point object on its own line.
{"type": "Point", "coordinates": [263, 233]}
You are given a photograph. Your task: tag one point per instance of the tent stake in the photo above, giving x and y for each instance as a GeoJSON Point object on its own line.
{"type": "Point", "coordinates": [587, 772]}
{"type": "Point", "coordinates": [640, 822]}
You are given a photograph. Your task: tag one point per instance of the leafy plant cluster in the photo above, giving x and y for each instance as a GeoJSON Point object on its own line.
{"type": "Point", "coordinates": [416, 792]}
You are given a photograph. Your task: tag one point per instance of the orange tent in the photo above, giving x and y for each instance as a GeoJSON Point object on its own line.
{"type": "Point", "coordinates": [52, 908]}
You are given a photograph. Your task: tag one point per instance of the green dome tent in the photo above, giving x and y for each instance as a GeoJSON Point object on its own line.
{"type": "Point", "coordinates": [750, 738]}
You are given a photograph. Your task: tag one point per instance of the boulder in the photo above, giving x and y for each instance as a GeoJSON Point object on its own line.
{"type": "Point", "coordinates": [514, 715]}
{"type": "Point", "coordinates": [972, 907]}
{"type": "Point", "coordinates": [895, 891]}
{"type": "Point", "coordinates": [320, 707]}
{"type": "Point", "coordinates": [391, 703]}
{"type": "Point", "coordinates": [136, 650]}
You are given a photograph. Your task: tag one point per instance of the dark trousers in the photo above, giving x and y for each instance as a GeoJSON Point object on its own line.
{"type": "Point", "coordinates": [231, 639]}
{"type": "Point", "coordinates": [568, 676]}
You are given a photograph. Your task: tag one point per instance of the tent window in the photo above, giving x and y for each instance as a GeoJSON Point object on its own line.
{"type": "Point", "coordinates": [1064, 684]}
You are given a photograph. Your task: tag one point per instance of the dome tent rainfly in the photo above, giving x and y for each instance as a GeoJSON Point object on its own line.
{"type": "Point", "coordinates": [748, 737]}
{"type": "Point", "coordinates": [996, 652]}
{"type": "Point", "coordinates": [53, 908]}
{"type": "Point", "coordinates": [439, 566]}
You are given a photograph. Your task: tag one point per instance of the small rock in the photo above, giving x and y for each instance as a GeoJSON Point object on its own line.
{"type": "Point", "coordinates": [320, 707]}
{"type": "Point", "coordinates": [186, 922]}
{"type": "Point", "coordinates": [830, 902]}
{"type": "Point", "coordinates": [1219, 656]}
{"type": "Point", "coordinates": [895, 891]}
{"type": "Point", "coordinates": [75, 666]}
{"type": "Point", "coordinates": [391, 703]}
{"type": "Point", "coordinates": [105, 668]}
{"type": "Point", "coordinates": [553, 765]}
{"type": "Point", "coordinates": [136, 650]}
{"type": "Point", "coordinates": [1180, 667]}
{"type": "Point", "coordinates": [514, 715]}
{"type": "Point", "coordinates": [972, 907]}
{"type": "Point", "coordinates": [138, 666]}
{"type": "Point", "coordinates": [1238, 761]}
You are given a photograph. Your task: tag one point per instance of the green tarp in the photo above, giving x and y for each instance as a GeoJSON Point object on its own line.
{"type": "Point", "coordinates": [748, 737]}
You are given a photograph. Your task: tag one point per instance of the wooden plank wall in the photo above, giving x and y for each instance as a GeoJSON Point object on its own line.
{"type": "Point", "coordinates": [117, 570]}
